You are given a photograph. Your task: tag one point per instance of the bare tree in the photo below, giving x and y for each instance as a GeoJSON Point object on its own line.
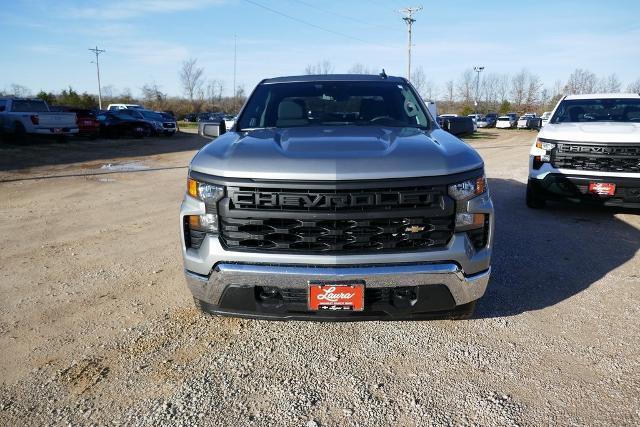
{"type": "Point", "coordinates": [558, 89]}
{"type": "Point", "coordinates": [503, 85]}
{"type": "Point", "coordinates": [466, 87]}
{"type": "Point", "coordinates": [418, 80]}
{"type": "Point", "coordinates": [519, 88]}
{"type": "Point", "coordinates": [240, 92]}
{"type": "Point", "coordinates": [609, 84]}
{"type": "Point", "coordinates": [191, 77]}
{"type": "Point", "coordinates": [126, 96]}
{"type": "Point", "coordinates": [108, 92]}
{"type": "Point", "coordinates": [533, 95]}
{"type": "Point", "coordinates": [213, 92]}
{"type": "Point", "coordinates": [19, 90]}
{"type": "Point", "coordinates": [449, 95]}
{"type": "Point", "coordinates": [359, 68]}
{"type": "Point", "coordinates": [634, 87]}
{"type": "Point", "coordinates": [489, 88]}
{"type": "Point", "coordinates": [544, 97]}
{"type": "Point", "coordinates": [322, 67]}
{"type": "Point", "coordinates": [581, 81]}
{"type": "Point", "coordinates": [151, 94]}
{"type": "Point", "coordinates": [429, 91]}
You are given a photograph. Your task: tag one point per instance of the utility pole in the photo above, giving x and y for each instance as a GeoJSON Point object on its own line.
{"type": "Point", "coordinates": [477, 70]}
{"type": "Point", "coordinates": [98, 52]}
{"type": "Point", "coordinates": [235, 62]}
{"type": "Point", "coordinates": [408, 18]}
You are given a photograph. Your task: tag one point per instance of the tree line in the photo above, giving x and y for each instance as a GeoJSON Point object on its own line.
{"type": "Point", "coordinates": [199, 94]}
{"type": "Point", "coordinates": [494, 92]}
{"type": "Point", "coordinates": [497, 92]}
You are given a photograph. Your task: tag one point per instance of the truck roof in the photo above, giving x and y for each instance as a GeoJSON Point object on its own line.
{"type": "Point", "coordinates": [334, 78]}
{"type": "Point", "coordinates": [603, 96]}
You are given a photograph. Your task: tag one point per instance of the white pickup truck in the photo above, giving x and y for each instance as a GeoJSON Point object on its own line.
{"type": "Point", "coordinates": [589, 151]}
{"type": "Point", "coordinates": [20, 117]}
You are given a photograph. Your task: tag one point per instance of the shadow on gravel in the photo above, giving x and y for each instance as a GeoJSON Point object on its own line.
{"type": "Point", "coordinates": [47, 152]}
{"type": "Point", "coordinates": [543, 257]}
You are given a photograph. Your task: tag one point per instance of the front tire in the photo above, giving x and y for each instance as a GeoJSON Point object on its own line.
{"type": "Point", "coordinates": [534, 200]}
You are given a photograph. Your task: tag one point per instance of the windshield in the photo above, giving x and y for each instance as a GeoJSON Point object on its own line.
{"type": "Point", "coordinates": [303, 104]}
{"type": "Point", "coordinates": [152, 115]}
{"type": "Point", "coordinates": [597, 110]}
{"type": "Point", "coordinates": [29, 106]}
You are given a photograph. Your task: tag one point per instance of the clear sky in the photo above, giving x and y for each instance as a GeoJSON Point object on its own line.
{"type": "Point", "coordinates": [44, 42]}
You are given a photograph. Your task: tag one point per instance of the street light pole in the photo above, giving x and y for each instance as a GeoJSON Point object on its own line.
{"type": "Point", "coordinates": [98, 52]}
{"type": "Point", "coordinates": [478, 70]}
{"type": "Point", "coordinates": [235, 62]}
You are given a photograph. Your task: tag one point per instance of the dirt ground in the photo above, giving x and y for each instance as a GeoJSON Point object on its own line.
{"type": "Point", "coordinates": [97, 326]}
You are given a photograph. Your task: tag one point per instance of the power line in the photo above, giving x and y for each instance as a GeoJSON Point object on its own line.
{"type": "Point", "coordinates": [293, 18]}
{"type": "Point", "coordinates": [339, 15]}
{"type": "Point", "coordinates": [408, 18]}
{"type": "Point", "coordinates": [98, 52]}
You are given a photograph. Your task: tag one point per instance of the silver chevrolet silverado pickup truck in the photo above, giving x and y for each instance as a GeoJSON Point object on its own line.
{"type": "Point", "coordinates": [337, 197]}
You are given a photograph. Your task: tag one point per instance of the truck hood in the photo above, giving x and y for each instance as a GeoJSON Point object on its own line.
{"type": "Point", "coordinates": [601, 132]}
{"type": "Point", "coordinates": [335, 154]}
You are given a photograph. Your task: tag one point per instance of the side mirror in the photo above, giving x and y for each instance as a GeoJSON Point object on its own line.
{"type": "Point", "coordinates": [2, 107]}
{"type": "Point", "coordinates": [211, 129]}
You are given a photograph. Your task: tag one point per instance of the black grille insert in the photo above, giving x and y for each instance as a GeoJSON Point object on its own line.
{"type": "Point", "coordinates": [336, 220]}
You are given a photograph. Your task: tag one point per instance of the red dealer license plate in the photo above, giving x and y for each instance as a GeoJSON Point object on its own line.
{"type": "Point", "coordinates": [602, 188]}
{"type": "Point", "coordinates": [336, 297]}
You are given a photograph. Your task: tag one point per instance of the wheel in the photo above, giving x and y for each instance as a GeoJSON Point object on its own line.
{"type": "Point", "coordinates": [464, 311]}
{"type": "Point", "coordinates": [140, 131]}
{"type": "Point", "coordinates": [534, 200]}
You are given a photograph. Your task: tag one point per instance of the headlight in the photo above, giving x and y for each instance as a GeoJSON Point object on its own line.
{"type": "Point", "coordinates": [468, 189]}
{"type": "Point", "coordinates": [208, 193]}
{"type": "Point", "coordinates": [158, 125]}
{"type": "Point", "coordinates": [206, 223]}
{"type": "Point", "coordinates": [462, 192]}
{"type": "Point", "coordinates": [197, 225]}
{"type": "Point", "coordinates": [547, 146]}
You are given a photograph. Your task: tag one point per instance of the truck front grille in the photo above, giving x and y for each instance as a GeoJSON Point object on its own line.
{"type": "Point", "coordinates": [602, 158]}
{"type": "Point", "coordinates": [336, 221]}
{"type": "Point", "coordinates": [353, 235]}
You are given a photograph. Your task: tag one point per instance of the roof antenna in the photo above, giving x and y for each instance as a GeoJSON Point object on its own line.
{"type": "Point", "coordinates": [383, 74]}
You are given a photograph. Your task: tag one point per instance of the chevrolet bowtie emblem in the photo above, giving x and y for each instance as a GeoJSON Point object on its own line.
{"type": "Point", "coordinates": [414, 229]}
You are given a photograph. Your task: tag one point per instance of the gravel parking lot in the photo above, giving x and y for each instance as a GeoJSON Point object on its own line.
{"type": "Point", "coordinates": [97, 326]}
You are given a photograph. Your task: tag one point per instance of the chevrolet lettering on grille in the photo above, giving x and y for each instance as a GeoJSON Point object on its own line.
{"type": "Point", "coordinates": [599, 149]}
{"type": "Point", "coordinates": [245, 199]}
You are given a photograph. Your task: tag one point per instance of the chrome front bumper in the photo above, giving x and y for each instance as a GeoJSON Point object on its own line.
{"type": "Point", "coordinates": [461, 268]}
{"type": "Point", "coordinates": [464, 289]}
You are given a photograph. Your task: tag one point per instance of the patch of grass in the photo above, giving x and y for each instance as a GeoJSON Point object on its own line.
{"type": "Point", "coordinates": [186, 125]}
